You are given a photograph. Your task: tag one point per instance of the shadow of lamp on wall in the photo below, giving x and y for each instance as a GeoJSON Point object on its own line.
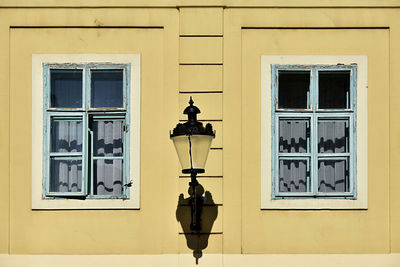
{"type": "Point", "coordinates": [198, 212]}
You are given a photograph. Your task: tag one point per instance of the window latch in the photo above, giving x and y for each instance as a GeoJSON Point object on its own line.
{"type": "Point", "coordinates": [126, 127]}
{"type": "Point", "coordinates": [128, 184]}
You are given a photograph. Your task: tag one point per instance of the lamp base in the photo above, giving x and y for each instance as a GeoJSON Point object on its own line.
{"type": "Point", "coordinates": [193, 171]}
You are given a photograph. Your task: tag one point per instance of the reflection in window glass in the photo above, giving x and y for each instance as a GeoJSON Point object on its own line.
{"type": "Point", "coordinates": [108, 177]}
{"type": "Point", "coordinates": [107, 89]}
{"type": "Point", "coordinates": [108, 138]}
{"type": "Point", "coordinates": [66, 135]}
{"type": "Point", "coordinates": [293, 136]}
{"type": "Point", "coordinates": [333, 175]}
{"type": "Point", "coordinates": [293, 175]}
{"type": "Point", "coordinates": [66, 88]}
{"type": "Point", "coordinates": [65, 175]}
{"type": "Point", "coordinates": [333, 136]}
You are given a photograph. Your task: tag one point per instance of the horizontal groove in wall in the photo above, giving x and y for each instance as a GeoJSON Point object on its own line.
{"type": "Point", "coordinates": [210, 105]}
{"type": "Point", "coordinates": [201, 35]}
{"type": "Point", "coordinates": [204, 205]}
{"type": "Point", "coordinates": [201, 233]}
{"type": "Point", "coordinates": [175, 6]}
{"type": "Point", "coordinates": [314, 28]}
{"type": "Point", "coordinates": [200, 177]}
{"type": "Point", "coordinates": [199, 92]}
{"type": "Point", "coordinates": [202, 120]}
{"type": "Point", "coordinates": [188, 242]}
{"type": "Point", "coordinates": [213, 166]}
{"type": "Point", "coordinates": [213, 190]}
{"type": "Point", "coordinates": [201, 50]}
{"type": "Point", "coordinates": [200, 78]}
{"type": "Point", "coordinates": [217, 143]}
{"type": "Point", "coordinates": [86, 27]}
{"type": "Point", "coordinates": [205, 64]}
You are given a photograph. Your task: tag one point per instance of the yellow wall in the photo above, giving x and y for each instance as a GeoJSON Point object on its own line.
{"type": "Point", "coordinates": [212, 53]}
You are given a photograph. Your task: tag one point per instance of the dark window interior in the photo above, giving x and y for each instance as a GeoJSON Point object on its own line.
{"type": "Point", "coordinates": [334, 88]}
{"type": "Point", "coordinates": [293, 89]}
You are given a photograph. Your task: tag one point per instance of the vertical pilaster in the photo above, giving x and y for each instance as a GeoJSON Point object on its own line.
{"type": "Point", "coordinates": [200, 76]}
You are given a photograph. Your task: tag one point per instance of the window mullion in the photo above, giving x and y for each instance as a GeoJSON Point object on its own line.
{"type": "Point", "coordinates": [314, 132]}
{"type": "Point", "coordinates": [86, 87]}
{"type": "Point", "coordinates": [90, 159]}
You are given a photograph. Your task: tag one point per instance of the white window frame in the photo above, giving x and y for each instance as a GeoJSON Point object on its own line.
{"type": "Point", "coordinates": [360, 201]}
{"type": "Point", "coordinates": [38, 200]}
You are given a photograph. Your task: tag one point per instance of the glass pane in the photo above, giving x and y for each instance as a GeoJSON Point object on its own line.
{"type": "Point", "coordinates": [108, 138]}
{"type": "Point", "coordinates": [66, 88]}
{"type": "Point", "coordinates": [108, 177]}
{"type": "Point", "coordinates": [333, 175]}
{"type": "Point", "coordinates": [65, 175]}
{"type": "Point", "coordinates": [294, 135]}
{"type": "Point", "coordinates": [333, 136]}
{"type": "Point", "coordinates": [66, 135]}
{"type": "Point", "coordinates": [293, 176]}
{"type": "Point", "coordinates": [107, 88]}
{"type": "Point", "coordinates": [334, 88]}
{"type": "Point", "coordinates": [294, 89]}
{"type": "Point", "coordinates": [200, 149]}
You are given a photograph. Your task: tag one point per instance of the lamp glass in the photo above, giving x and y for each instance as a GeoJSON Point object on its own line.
{"type": "Point", "coordinates": [200, 145]}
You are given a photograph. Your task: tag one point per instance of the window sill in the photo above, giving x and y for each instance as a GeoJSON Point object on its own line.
{"type": "Point", "coordinates": [314, 204]}
{"type": "Point", "coordinates": [82, 204]}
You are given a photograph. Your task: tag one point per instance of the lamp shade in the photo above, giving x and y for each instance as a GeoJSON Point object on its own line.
{"type": "Point", "coordinates": [192, 141]}
{"type": "Point", "coordinates": [192, 151]}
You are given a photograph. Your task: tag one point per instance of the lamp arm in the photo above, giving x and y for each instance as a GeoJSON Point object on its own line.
{"type": "Point", "coordinates": [195, 212]}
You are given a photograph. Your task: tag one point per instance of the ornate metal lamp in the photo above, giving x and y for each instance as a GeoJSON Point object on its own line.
{"type": "Point", "coordinates": [192, 143]}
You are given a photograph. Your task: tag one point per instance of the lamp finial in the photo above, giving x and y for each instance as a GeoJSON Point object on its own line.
{"type": "Point", "coordinates": [191, 102]}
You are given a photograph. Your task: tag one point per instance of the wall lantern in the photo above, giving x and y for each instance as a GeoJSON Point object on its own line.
{"type": "Point", "coordinates": [192, 143]}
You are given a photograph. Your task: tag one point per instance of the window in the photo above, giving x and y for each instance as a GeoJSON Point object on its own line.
{"type": "Point", "coordinates": [314, 148]}
{"type": "Point", "coordinates": [88, 109]}
{"type": "Point", "coordinates": [313, 116]}
{"type": "Point", "coordinates": [86, 124]}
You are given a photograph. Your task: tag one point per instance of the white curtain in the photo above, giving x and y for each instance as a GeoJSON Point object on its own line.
{"type": "Point", "coordinates": [332, 136]}
{"type": "Point", "coordinates": [332, 176]}
{"type": "Point", "coordinates": [66, 136]}
{"type": "Point", "coordinates": [333, 173]}
{"type": "Point", "coordinates": [108, 173]}
{"type": "Point", "coordinates": [66, 175]}
{"type": "Point", "coordinates": [292, 176]}
{"type": "Point", "coordinates": [293, 136]}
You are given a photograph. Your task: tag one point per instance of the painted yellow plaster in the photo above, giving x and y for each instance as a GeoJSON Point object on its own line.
{"type": "Point", "coordinates": [201, 21]}
{"type": "Point", "coordinates": [210, 105]}
{"type": "Point", "coordinates": [200, 50]}
{"type": "Point", "coordinates": [246, 229]}
{"type": "Point", "coordinates": [317, 231]}
{"type": "Point", "coordinates": [200, 78]}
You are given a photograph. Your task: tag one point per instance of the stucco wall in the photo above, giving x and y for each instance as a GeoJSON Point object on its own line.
{"type": "Point", "coordinates": [211, 51]}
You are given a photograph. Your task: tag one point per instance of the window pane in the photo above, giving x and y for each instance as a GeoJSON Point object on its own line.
{"type": "Point", "coordinates": [333, 175]}
{"type": "Point", "coordinates": [293, 175]}
{"type": "Point", "coordinates": [66, 135]}
{"type": "Point", "coordinates": [108, 177]}
{"type": "Point", "coordinates": [66, 88]}
{"type": "Point", "coordinates": [294, 135]}
{"type": "Point", "coordinates": [294, 89]}
{"type": "Point", "coordinates": [334, 88]}
{"type": "Point", "coordinates": [108, 138]}
{"type": "Point", "coordinates": [333, 136]}
{"type": "Point", "coordinates": [65, 175]}
{"type": "Point", "coordinates": [107, 88]}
